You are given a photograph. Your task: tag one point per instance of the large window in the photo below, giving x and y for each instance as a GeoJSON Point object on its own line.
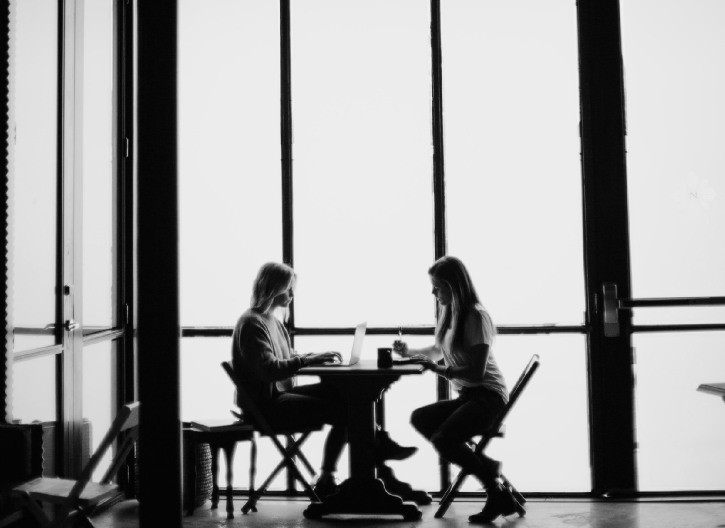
{"type": "Point", "coordinates": [675, 80]}
{"type": "Point", "coordinates": [359, 141]}
{"type": "Point", "coordinates": [33, 178]}
{"type": "Point", "coordinates": [230, 207]}
{"type": "Point", "coordinates": [513, 176]}
{"type": "Point", "coordinates": [353, 206]}
{"type": "Point", "coordinates": [362, 162]}
{"type": "Point", "coordinates": [67, 312]}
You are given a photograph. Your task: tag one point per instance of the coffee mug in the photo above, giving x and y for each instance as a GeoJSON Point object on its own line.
{"type": "Point", "coordinates": [385, 357]}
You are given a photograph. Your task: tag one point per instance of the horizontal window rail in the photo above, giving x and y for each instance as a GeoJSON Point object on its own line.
{"type": "Point", "coordinates": [34, 331]}
{"type": "Point", "coordinates": [613, 304]}
{"type": "Point", "coordinates": [100, 336]}
{"type": "Point", "coordinates": [37, 353]}
{"type": "Point", "coordinates": [226, 331]}
{"type": "Point", "coordinates": [51, 330]}
{"type": "Point", "coordinates": [695, 327]}
{"type": "Point", "coordinates": [671, 301]}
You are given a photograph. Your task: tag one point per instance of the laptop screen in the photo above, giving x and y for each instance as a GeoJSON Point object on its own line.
{"type": "Point", "coordinates": [358, 343]}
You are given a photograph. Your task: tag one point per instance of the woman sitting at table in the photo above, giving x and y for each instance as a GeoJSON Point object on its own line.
{"type": "Point", "coordinates": [463, 339]}
{"type": "Point", "coordinates": [266, 363]}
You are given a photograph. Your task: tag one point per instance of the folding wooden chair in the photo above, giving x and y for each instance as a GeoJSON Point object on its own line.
{"type": "Point", "coordinates": [498, 429]}
{"type": "Point", "coordinates": [75, 500]}
{"type": "Point", "coordinates": [251, 410]}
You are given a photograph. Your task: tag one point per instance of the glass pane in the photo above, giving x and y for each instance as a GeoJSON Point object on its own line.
{"type": "Point", "coordinates": [99, 390]}
{"type": "Point", "coordinates": [404, 396]}
{"type": "Point", "coordinates": [207, 392]}
{"type": "Point", "coordinates": [673, 52]}
{"type": "Point", "coordinates": [229, 149]}
{"type": "Point", "coordinates": [99, 291]}
{"type": "Point", "coordinates": [680, 431]}
{"type": "Point", "coordinates": [513, 172]}
{"type": "Point", "coordinates": [363, 157]}
{"type": "Point", "coordinates": [33, 173]}
{"type": "Point", "coordinates": [546, 447]}
{"type": "Point", "coordinates": [34, 390]}
{"type": "Point", "coordinates": [679, 315]}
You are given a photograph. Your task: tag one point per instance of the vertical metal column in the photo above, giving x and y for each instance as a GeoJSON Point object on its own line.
{"type": "Point", "coordinates": [286, 135]}
{"type": "Point", "coordinates": [157, 266]}
{"type": "Point", "coordinates": [70, 205]}
{"type": "Point", "coordinates": [7, 361]}
{"type": "Point", "coordinates": [285, 69]}
{"type": "Point", "coordinates": [606, 246]}
{"type": "Point", "coordinates": [439, 188]}
{"type": "Point", "coordinates": [125, 364]}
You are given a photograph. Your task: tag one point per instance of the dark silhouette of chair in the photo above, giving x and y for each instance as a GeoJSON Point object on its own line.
{"type": "Point", "coordinates": [75, 500]}
{"type": "Point", "coordinates": [497, 429]}
{"type": "Point", "coordinates": [253, 415]}
{"type": "Point", "coordinates": [225, 438]}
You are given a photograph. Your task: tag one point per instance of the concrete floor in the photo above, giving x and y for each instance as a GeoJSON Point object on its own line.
{"type": "Point", "coordinates": [552, 513]}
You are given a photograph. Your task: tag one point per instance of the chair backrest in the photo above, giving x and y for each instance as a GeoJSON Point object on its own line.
{"type": "Point", "coordinates": [249, 406]}
{"type": "Point", "coordinates": [126, 420]}
{"type": "Point", "coordinates": [518, 388]}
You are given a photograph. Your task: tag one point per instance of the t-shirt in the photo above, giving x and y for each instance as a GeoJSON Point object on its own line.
{"type": "Point", "coordinates": [492, 377]}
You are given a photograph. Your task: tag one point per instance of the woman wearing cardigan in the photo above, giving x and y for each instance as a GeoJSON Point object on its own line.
{"type": "Point", "coordinates": [266, 363]}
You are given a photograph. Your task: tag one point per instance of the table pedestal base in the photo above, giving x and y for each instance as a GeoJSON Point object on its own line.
{"type": "Point", "coordinates": [400, 488]}
{"type": "Point", "coordinates": [363, 496]}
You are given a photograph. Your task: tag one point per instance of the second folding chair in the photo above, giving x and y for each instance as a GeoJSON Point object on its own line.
{"type": "Point", "coordinates": [75, 500]}
{"type": "Point", "coordinates": [496, 430]}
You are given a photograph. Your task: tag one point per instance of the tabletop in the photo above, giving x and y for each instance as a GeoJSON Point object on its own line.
{"type": "Point", "coordinates": [713, 388]}
{"type": "Point", "coordinates": [365, 367]}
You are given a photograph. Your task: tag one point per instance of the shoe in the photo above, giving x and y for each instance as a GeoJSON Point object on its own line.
{"type": "Point", "coordinates": [388, 449]}
{"type": "Point", "coordinates": [401, 489]}
{"type": "Point", "coordinates": [499, 502]}
{"type": "Point", "coordinates": [325, 488]}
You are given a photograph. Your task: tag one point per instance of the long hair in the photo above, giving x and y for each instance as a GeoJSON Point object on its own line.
{"type": "Point", "coordinates": [454, 274]}
{"type": "Point", "coordinates": [272, 279]}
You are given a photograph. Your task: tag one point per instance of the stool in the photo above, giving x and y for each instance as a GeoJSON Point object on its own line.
{"type": "Point", "coordinates": [225, 440]}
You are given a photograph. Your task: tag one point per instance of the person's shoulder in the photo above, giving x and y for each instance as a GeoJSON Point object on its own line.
{"type": "Point", "coordinates": [250, 318]}
{"type": "Point", "coordinates": [475, 326]}
{"type": "Point", "coordinates": [475, 317]}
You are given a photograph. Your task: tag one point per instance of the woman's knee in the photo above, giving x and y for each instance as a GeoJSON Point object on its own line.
{"type": "Point", "coordinates": [419, 422]}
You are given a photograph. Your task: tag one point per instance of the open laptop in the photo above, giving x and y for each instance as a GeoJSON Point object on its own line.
{"type": "Point", "coordinates": [356, 348]}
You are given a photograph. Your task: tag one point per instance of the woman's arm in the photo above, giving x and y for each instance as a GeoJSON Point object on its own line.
{"type": "Point", "coordinates": [431, 352]}
{"type": "Point", "coordinates": [472, 372]}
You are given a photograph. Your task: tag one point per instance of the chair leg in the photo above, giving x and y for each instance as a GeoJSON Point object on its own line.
{"type": "Point", "coordinates": [252, 466]}
{"type": "Point", "coordinates": [300, 454]}
{"type": "Point", "coordinates": [287, 455]}
{"type": "Point", "coordinates": [191, 476]}
{"type": "Point", "coordinates": [84, 520]}
{"type": "Point", "coordinates": [35, 510]}
{"type": "Point", "coordinates": [229, 457]}
{"type": "Point", "coordinates": [214, 475]}
{"type": "Point", "coordinates": [306, 485]}
{"type": "Point", "coordinates": [254, 496]}
{"type": "Point", "coordinates": [287, 460]}
{"type": "Point", "coordinates": [450, 494]}
{"type": "Point", "coordinates": [520, 500]}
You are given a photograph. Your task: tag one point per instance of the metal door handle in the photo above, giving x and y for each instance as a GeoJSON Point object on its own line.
{"type": "Point", "coordinates": [71, 325]}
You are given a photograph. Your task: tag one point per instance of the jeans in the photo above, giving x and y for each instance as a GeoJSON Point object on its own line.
{"type": "Point", "coordinates": [449, 424]}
